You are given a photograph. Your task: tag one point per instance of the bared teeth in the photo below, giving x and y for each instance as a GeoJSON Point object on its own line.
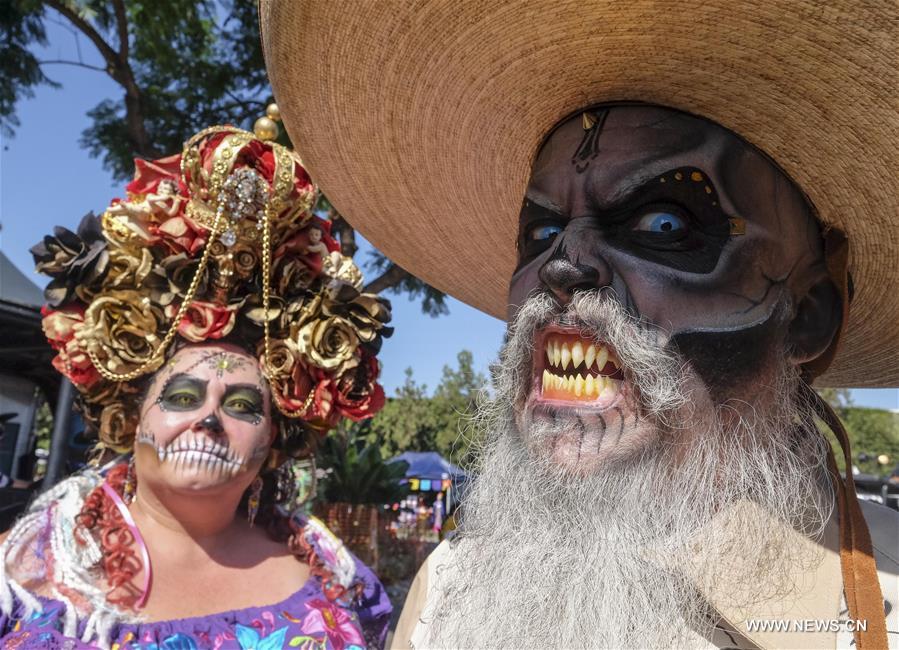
{"type": "Point", "coordinates": [577, 354]}
{"type": "Point", "coordinates": [590, 355]}
{"type": "Point", "coordinates": [609, 391]}
{"type": "Point", "coordinates": [602, 355]}
{"type": "Point", "coordinates": [579, 386]}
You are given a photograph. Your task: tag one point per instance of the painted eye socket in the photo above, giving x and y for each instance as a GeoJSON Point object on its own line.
{"type": "Point", "coordinates": [242, 406]}
{"type": "Point", "coordinates": [661, 221]}
{"type": "Point", "coordinates": [544, 233]}
{"type": "Point", "coordinates": [182, 399]}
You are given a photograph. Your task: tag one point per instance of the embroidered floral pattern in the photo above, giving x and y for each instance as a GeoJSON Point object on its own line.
{"type": "Point", "coordinates": [322, 615]}
{"type": "Point", "coordinates": [332, 621]}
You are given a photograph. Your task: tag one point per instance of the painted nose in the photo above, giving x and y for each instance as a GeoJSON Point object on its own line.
{"type": "Point", "coordinates": [563, 277]}
{"type": "Point", "coordinates": [211, 423]}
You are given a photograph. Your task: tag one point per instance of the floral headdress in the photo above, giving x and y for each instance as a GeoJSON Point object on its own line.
{"type": "Point", "coordinates": [216, 243]}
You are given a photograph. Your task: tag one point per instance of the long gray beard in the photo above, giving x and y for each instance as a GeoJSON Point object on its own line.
{"type": "Point", "coordinates": [549, 557]}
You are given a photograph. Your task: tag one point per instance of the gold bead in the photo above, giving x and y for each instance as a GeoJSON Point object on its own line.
{"type": "Point", "coordinates": [273, 112]}
{"type": "Point", "coordinates": [265, 128]}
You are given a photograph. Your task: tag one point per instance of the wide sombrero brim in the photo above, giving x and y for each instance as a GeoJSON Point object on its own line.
{"type": "Point", "coordinates": [420, 120]}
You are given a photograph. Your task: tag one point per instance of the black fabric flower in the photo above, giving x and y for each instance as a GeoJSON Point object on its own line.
{"type": "Point", "coordinates": [77, 262]}
{"type": "Point", "coordinates": [367, 312]}
{"type": "Point", "coordinates": [172, 276]}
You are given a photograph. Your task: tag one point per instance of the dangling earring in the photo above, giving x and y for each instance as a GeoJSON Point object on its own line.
{"type": "Point", "coordinates": [296, 484]}
{"type": "Point", "coordinates": [129, 486]}
{"type": "Point", "coordinates": [253, 501]}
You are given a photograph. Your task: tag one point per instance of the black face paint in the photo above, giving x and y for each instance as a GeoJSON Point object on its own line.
{"type": "Point", "coordinates": [691, 229]}
{"type": "Point", "coordinates": [657, 225]}
{"type": "Point", "coordinates": [182, 393]}
{"type": "Point", "coordinates": [674, 219]}
{"type": "Point", "coordinates": [727, 358]}
{"type": "Point", "coordinates": [211, 423]}
{"type": "Point", "coordinates": [244, 402]}
{"type": "Point", "coordinates": [589, 146]}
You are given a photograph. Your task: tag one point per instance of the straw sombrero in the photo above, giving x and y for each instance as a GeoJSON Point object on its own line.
{"type": "Point", "coordinates": [419, 120]}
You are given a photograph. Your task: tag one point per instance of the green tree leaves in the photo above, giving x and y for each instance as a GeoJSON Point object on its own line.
{"type": "Point", "coordinates": [357, 472]}
{"type": "Point", "coordinates": [21, 25]}
{"type": "Point", "coordinates": [181, 67]}
{"type": "Point", "coordinates": [412, 421]}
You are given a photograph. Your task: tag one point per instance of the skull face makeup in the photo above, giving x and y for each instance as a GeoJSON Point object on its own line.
{"type": "Point", "coordinates": [688, 230]}
{"type": "Point", "coordinates": [670, 283]}
{"type": "Point", "coordinates": [206, 420]}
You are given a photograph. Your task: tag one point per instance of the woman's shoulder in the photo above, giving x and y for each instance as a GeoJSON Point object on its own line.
{"type": "Point", "coordinates": [333, 559]}
{"type": "Point", "coordinates": [338, 565]}
{"type": "Point", "coordinates": [47, 526]}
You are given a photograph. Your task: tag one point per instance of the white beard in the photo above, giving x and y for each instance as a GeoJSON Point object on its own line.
{"type": "Point", "coordinates": [552, 558]}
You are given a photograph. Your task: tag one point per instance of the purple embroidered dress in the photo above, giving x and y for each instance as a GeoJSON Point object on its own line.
{"type": "Point", "coordinates": [304, 620]}
{"type": "Point", "coordinates": [307, 619]}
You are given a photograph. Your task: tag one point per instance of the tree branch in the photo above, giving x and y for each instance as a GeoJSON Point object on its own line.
{"type": "Point", "coordinates": [346, 234]}
{"type": "Point", "coordinates": [121, 20]}
{"type": "Point", "coordinates": [85, 28]}
{"type": "Point", "coordinates": [76, 63]}
{"type": "Point", "coordinates": [387, 280]}
{"type": "Point", "coordinates": [120, 70]}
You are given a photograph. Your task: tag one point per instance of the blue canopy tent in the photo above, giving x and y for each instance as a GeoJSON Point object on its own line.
{"type": "Point", "coordinates": [430, 472]}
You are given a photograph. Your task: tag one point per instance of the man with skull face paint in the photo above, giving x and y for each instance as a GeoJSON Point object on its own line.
{"type": "Point", "coordinates": [678, 273]}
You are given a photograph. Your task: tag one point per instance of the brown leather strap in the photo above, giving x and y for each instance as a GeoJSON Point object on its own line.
{"type": "Point", "coordinates": [860, 582]}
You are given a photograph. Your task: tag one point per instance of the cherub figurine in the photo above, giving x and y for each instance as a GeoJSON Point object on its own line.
{"type": "Point", "coordinates": [162, 203]}
{"type": "Point", "coordinates": [316, 245]}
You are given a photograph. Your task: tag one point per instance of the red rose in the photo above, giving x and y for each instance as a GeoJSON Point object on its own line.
{"type": "Point", "coordinates": [322, 411]}
{"type": "Point", "coordinates": [359, 396]}
{"type": "Point", "coordinates": [148, 173]}
{"type": "Point", "coordinates": [291, 394]}
{"type": "Point", "coordinates": [259, 156]}
{"type": "Point", "coordinates": [71, 360]}
{"type": "Point", "coordinates": [180, 235]}
{"type": "Point", "coordinates": [204, 320]}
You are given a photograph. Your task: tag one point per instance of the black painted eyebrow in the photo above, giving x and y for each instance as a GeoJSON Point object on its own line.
{"type": "Point", "coordinates": [626, 190]}
{"type": "Point", "coordinates": [628, 193]}
{"type": "Point", "coordinates": [230, 388]}
{"type": "Point", "coordinates": [541, 200]}
{"type": "Point", "coordinates": [532, 212]}
{"type": "Point", "coordinates": [183, 376]}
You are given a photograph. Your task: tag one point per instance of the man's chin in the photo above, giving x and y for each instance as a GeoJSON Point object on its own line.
{"type": "Point", "coordinates": [582, 439]}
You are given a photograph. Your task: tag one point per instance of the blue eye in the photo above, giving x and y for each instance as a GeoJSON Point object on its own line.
{"type": "Point", "coordinates": [662, 222]}
{"type": "Point", "coordinates": [544, 233]}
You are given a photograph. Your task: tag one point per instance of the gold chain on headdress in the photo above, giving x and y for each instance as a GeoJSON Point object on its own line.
{"type": "Point", "coordinates": [166, 341]}
{"type": "Point", "coordinates": [221, 166]}
{"type": "Point", "coordinates": [266, 275]}
{"type": "Point", "coordinates": [281, 187]}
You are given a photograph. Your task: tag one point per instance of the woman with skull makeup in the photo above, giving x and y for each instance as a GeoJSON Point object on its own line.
{"type": "Point", "coordinates": [211, 347]}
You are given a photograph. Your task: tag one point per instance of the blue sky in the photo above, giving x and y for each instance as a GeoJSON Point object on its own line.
{"type": "Point", "coordinates": [47, 179]}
